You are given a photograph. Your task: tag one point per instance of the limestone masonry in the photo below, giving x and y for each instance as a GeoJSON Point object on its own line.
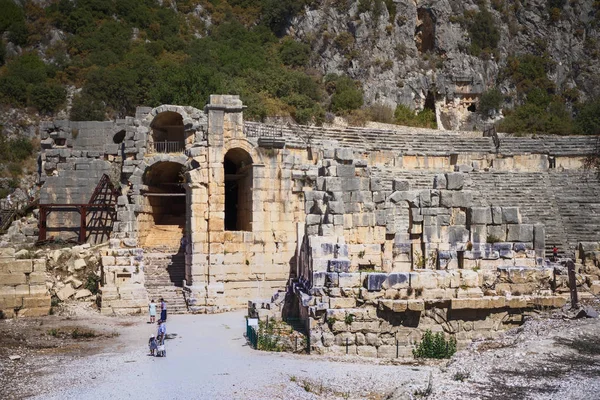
{"type": "Point", "coordinates": [376, 234]}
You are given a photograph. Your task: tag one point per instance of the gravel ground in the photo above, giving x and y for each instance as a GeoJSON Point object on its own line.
{"type": "Point", "coordinates": [208, 358]}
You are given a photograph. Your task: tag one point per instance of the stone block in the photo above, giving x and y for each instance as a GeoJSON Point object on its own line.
{"type": "Point", "coordinates": [400, 185]}
{"type": "Point", "coordinates": [455, 180]}
{"type": "Point", "coordinates": [440, 182]}
{"type": "Point", "coordinates": [457, 234]}
{"type": "Point", "coordinates": [336, 207]}
{"type": "Point", "coordinates": [344, 154]}
{"type": "Point", "coordinates": [511, 215]}
{"type": "Point", "coordinates": [366, 351]}
{"type": "Point", "coordinates": [480, 215]}
{"type": "Point", "coordinates": [349, 280]}
{"type": "Point", "coordinates": [520, 233]}
{"type": "Point", "coordinates": [415, 305]}
{"type": "Point", "coordinates": [396, 280]}
{"type": "Point", "coordinates": [496, 215]}
{"type": "Point", "coordinates": [338, 265]}
{"type": "Point", "coordinates": [539, 237]}
{"type": "Point", "coordinates": [497, 231]}
{"type": "Point", "coordinates": [342, 302]}
{"type": "Point", "coordinates": [375, 281]}
{"type": "Point", "coordinates": [65, 293]}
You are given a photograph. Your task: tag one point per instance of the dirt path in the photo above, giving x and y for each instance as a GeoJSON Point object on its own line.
{"type": "Point", "coordinates": [208, 358]}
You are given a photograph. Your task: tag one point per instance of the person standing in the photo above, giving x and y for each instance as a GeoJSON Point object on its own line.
{"type": "Point", "coordinates": [163, 309]}
{"type": "Point", "coordinates": [152, 311]}
{"type": "Point", "coordinates": [555, 253]}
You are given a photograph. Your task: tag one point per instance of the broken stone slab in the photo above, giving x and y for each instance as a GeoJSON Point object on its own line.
{"type": "Point", "coordinates": [82, 294]}
{"type": "Point", "coordinates": [65, 293]}
{"type": "Point", "coordinates": [14, 358]}
{"type": "Point", "coordinates": [79, 264]}
{"type": "Point", "coordinates": [396, 280]}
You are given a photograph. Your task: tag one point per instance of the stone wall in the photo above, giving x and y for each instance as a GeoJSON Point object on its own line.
{"type": "Point", "coordinates": [23, 289]}
{"type": "Point", "coordinates": [380, 200]}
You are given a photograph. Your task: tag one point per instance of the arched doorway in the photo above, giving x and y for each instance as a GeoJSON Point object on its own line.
{"type": "Point", "coordinates": [168, 134]}
{"type": "Point", "coordinates": [164, 200]}
{"type": "Point", "coordinates": [237, 165]}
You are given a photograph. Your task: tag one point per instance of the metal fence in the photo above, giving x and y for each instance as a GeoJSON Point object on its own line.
{"type": "Point", "coordinates": [167, 147]}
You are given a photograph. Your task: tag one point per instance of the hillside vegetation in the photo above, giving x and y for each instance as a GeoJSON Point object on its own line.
{"type": "Point", "coordinates": [112, 56]}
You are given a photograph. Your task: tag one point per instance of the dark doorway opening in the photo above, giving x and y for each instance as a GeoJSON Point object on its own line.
{"type": "Point", "coordinates": [425, 30]}
{"type": "Point", "coordinates": [237, 166]}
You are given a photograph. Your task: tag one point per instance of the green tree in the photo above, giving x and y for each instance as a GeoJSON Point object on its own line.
{"type": "Point", "coordinates": [48, 97]}
{"type": "Point", "coordinates": [490, 100]}
{"type": "Point", "coordinates": [346, 95]}
{"type": "Point", "coordinates": [484, 32]}
{"type": "Point", "coordinates": [294, 54]}
{"type": "Point", "coordinates": [86, 108]}
{"type": "Point", "coordinates": [587, 119]}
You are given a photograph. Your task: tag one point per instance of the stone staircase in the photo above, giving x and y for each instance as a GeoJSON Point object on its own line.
{"type": "Point", "coordinates": [164, 264]}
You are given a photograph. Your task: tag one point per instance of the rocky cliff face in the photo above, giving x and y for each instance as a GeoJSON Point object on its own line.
{"type": "Point", "coordinates": [419, 53]}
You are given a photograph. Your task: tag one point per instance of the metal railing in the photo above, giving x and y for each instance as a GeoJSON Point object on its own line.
{"type": "Point", "coordinates": [167, 147]}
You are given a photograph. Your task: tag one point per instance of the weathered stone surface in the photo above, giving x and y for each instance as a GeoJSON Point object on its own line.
{"type": "Point", "coordinates": [65, 292]}
{"type": "Point", "coordinates": [480, 215]}
{"type": "Point", "coordinates": [511, 215]}
{"type": "Point", "coordinates": [455, 180]}
{"type": "Point", "coordinates": [375, 281]}
{"type": "Point", "coordinates": [520, 233]}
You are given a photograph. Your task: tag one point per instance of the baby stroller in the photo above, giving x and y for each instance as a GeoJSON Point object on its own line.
{"type": "Point", "coordinates": [161, 351]}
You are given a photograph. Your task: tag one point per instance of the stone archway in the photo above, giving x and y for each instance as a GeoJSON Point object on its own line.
{"type": "Point", "coordinates": [162, 216]}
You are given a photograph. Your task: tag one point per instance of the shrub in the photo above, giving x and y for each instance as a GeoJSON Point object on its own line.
{"type": "Point", "coordinates": [92, 283]}
{"type": "Point", "coordinates": [484, 32]}
{"type": "Point", "coordinates": [86, 108]}
{"type": "Point", "coordinates": [490, 100]}
{"type": "Point", "coordinates": [435, 346]}
{"type": "Point", "coordinates": [424, 119]}
{"type": "Point", "coordinates": [294, 54]}
{"type": "Point", "coordinates": [587, 119]}
{"type": "Point", "coordinates": [48, 97]}
{"type": "Point", "coordinates": [346, 93]}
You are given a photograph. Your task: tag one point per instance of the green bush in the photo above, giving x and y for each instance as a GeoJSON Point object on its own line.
{"type": "Point", "coordinates": [92, 283]}
{"type": "Point", "coordinates": [490, 100]}
{"type": "Point", "coordinates": [86, 108]}
{"type": "Point", "coordinates": [435, 346]}
{"type": "Point", "coordinates": [346, 95]}
{"type": "Point", "coordinates": [423, 119]}
{"type": "Point", "coordinates": [48, 97]}
{"type": "Point", "coordinates": [294, 54]}
{"type": "Point", "coordinates": [587, 119]}
{"type": "Point", "coordinates": [483, 32]}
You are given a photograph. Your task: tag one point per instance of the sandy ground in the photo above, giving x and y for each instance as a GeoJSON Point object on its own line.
{"type": "Point", "coordinates": [208, 358]}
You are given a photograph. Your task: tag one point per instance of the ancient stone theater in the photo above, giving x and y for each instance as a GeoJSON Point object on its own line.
{"type": "Point", "coordinates": [403, 229]}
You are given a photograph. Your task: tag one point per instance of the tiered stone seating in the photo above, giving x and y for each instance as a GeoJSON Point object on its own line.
{"type": "Point", "coordinates": [577, 196]}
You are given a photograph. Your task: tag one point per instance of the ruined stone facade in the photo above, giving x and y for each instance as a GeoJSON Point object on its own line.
{"type": "Point", "coordinates": [401, 228]}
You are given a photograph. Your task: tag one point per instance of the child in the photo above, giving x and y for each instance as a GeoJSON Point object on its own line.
{"type": "Point", "coordinates": [152, 344]}
{"type": "Point", "coordinates": [152, 310]}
